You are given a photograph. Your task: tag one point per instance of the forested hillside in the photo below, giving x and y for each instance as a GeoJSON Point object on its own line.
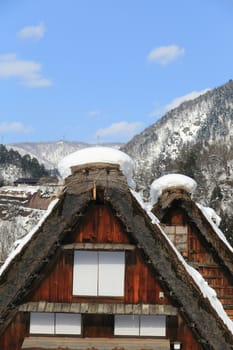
{"type": "Point", "coordinates": [195, 139]}
{"type": "Point", "coordinates": [13, 165]}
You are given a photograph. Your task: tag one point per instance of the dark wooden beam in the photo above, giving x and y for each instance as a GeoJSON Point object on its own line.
{"type": "Point", "coordinates": [99, 246]}
{"type": "Point", "coordinates": [69, 343]}
{"type": "Point", "coordinates": [100, 308]}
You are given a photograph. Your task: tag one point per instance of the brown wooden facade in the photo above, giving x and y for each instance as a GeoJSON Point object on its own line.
{"type": "Point", "coordinates": [141, 285]}
{"type": "Point", "coordinates": [200, 255]}
{"type": "Point", "coordinates": [40, 278]}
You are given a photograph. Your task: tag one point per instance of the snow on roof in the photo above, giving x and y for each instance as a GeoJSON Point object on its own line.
{"type": "Point", "coordinates": [214, 221]}
{"type": "Point", "coordinates": [20, 244]}
{"type": "Point", "coordinates": [98, 154]}
{"type": "Point", "coordinates": [210, 294]}
{"type": "Point", "coordinates": [203, 285]}
{"type": "Point", "coordinates": [145, 206]}
{"type": "Point", "coordinates": [210, 214]}
{"type": "Point", "coordinates": [171, 180]}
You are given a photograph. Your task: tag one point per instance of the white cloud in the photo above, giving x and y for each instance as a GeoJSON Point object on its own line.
{"type": "Point", "coordinates": [165, 54]}
{"type": "Point", "coordinates": [32, 32]}
{"type": "Point", "coordinates": [121, 130]}
{"type": "Point", "coordinates": [94, 113]}
{"type": "Point", "coordinates": [14, 127]}
{"type": "Point", "coordinates": [28, 72]}
{"type": "Point", "coordinates": [178, 100]}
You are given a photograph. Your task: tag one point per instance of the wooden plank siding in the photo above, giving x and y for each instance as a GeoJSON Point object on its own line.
{"type": "Point", "coordinates": [13, 337]}
{"type": "Point", "coordinates": [98, 226]}
{"type": "Point", "coordinates": [185, 336]}
{"type": "Point", "coordinates": [142, 286]}
{"type": "Point", "coordinates": [202, 258]}
{"type": "Point", "coordinates": [140, 283]}
{"type": "Point", "coordinates": [177, 328]}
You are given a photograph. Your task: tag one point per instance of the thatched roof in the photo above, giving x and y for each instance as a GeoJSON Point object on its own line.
{"type": "Point", "coordinates": [208, 229]}
{"type": "Point", "coordinates": [28, 267]}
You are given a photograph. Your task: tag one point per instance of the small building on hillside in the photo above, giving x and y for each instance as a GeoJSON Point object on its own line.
{"type": "Point", "coordinates": [26, 181]}
{"type": "Point", "coordinates": [43, 180]}
{"type": "Point", "coordinates": [104, 270]}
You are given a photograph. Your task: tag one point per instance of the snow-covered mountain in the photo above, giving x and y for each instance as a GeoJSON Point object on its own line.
{"type": "Point", "coordinates": [195, 139]}
{"type": "Point", "coordinates": [50, 153]}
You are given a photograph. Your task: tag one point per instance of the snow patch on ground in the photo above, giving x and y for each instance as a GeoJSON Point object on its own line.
{"type": "Point", "coordinates": [20, 243]}
{"type": "Point", "coordinates": [18, 191]}
{"type": "Point", "coordinates": [17, 222]}
{"type": "Point", "coordinates": [9, 173]}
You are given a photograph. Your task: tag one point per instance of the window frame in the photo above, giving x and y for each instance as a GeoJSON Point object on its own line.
{"type": "Point", "coordinates": [143, 330]}
{"type": "Point", "coordinates": [42, 329]}
{"type": "Point", "coordinates": [106, 268]}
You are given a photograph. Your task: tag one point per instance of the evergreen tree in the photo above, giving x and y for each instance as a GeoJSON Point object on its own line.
{"type": "Point", "coordinates": [30, 166]}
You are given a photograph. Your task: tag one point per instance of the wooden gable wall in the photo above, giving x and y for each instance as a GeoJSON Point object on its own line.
{"type": "Point", "coordinates": [99, 225]}
{"type": "Point", "coordinates": [202, 257]}
{"type": "Point", "coordinates": [15, 333]}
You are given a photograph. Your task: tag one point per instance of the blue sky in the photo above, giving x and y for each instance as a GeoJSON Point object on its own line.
{"type": "Point", "coordinates": [103, 70]}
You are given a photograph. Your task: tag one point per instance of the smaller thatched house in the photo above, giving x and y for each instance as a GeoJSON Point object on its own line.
{"type": "Point", "coordinates": [194, 231]}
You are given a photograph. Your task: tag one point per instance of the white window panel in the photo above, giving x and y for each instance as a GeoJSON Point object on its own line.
{"type": "Point", "coordinates": [85, 273]}
{"type": "Point", "coordinates": [41, 323]}
{"type": "Point", "coordinates": [153, 326]}
{"type": "Point", "coordinates": [126, 325]}
{"type": "Point", "coordinates": [67, 323]}
{"type": "Point", "coordinates": [111, 273]}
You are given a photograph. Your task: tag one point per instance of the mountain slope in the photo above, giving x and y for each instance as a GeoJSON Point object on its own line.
{"type": "Point", "coordinates": [50, 153]}
{"type": "Point", "coordinates": [13, 165]}
{"type": "Point", "coordinates": [195, 139]}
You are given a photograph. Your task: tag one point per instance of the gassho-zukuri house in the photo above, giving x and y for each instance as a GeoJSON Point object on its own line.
{"type": "Point", "coordinates": [105, 270]}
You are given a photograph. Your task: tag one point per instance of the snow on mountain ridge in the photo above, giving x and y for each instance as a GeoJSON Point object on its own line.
{"type": "Point", "coordinates": [50, 153]}
{"type": "Point", "coordinates": [195, 139]}
{"type": "Point", "coordinates": [181, 126]}
{"type": "Point", "coordinates": [189, 123]}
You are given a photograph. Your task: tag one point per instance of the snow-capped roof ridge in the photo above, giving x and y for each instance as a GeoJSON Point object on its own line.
{"type": "Point", "coordinates": [168, 181]}
{"type": "Point", "coordinates": [98, 154]}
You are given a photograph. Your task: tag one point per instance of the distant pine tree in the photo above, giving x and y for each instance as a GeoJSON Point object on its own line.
{"type": "Point", "coordinates": [30, 166]}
